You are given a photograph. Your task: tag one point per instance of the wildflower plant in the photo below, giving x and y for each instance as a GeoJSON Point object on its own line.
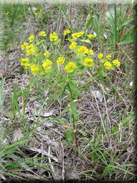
{"type": "Point", "coordinates": [63, 69]}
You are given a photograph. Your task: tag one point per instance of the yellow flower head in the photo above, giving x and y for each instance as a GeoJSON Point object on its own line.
{"type": "Point", "coordinates": [40, 11]}
{"type": "Point", "coordinates": [90, 36]}
{"type": "Point", "coordinates": [88, 62]}
{"type": "Point", "coordinates": [72, 45]}
{"type": "Point", "coordinates": [35, 13]}
{"type": "Point", "coordinates": [42, 33]}
{"type": "Point", "coordinates": [78, 34]}
{"type": "Point", "coordinates": [100, 56]}
{"type": "Point", "coordinates": [82, 50]}
{"type": "Point", "coordinates": [70, 67]}
{"type": "Point", "coordinates": [31, 49]}
{"type": "Point", "coordinates": [31, 38]}
{"type": "Point", "coordinates": [60, 61]}
{"type": "Point", "coordinates": [24, 61]}
{"type": "Point", "coordinates": [47, 65]}
{"type": "Point", "coordinates": [27, 66]}
{"type": "Point", "coordinates": [108, 57]}
{"type": "Point", "coordinates": [107, 65]}
{"type": "Point", "coordinates": [46, 53]}
{"type": "Point", "coordinates": [53, 37]}
{"type": "Point", "coordinates": [116, 63]}
{"type": "Point", "coordinates": [66, 32]}
{"type": "Point", "coordinates": [89, 52]}
{"type": "Point", "coordinates": [23, 46]}
{"type": "Point", "coordinates": [34, 69]}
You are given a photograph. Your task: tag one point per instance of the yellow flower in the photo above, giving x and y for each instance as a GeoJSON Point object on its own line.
{"type": "Point", "coordinates": [40, 11]}
{"type": "Point", "coordinates": [24, 61]}
{"type": "Point", "coordinates": [34, 69]}
{"type": "Point", "coordinates": [60, 61]}
{"type": "Point", "coordinates": [88, 62]}
{"type": "Point", "coordinates": [90, 52]}
{"type": "Point", "coordinates": [66, 32]}
{"type": "Point", "coordinates": [70, 67]}
{"type": "Point", "coordinates": [42, 33]}
{"type": "Point", "coordinates": [47, 65]}
{"type": "Point", "coordinates": [82, 50]}
{"type": "Point", "coordinates": [53, 37]}
{"type": "Point", "coordinates": [108, 56]}
{"type": "Point", "coordinates": [72, 45]}
{"type": "Point", "coordinates": [23, 46]}
{"type": "Point", "coordinates": [46, 53]}
{"type": "Point", "coordinates": [35, 13]}
{"type": "Point", "coordinates": [78, 34]}
{"type": "Point", "coordinates": [31, 38]}
{"type": "Point", "coordinates": [107, 65]}
{"type": "Point", "coordinates": [116, 63]}
{"type": "Point", "coordinates": [90, 36]}
{"type": "Point", "coordinates": [100, 56]}
{"type": "Point", "coordinates": [27, 66]}
{"type": "Point", "coordinates": [31, 49]}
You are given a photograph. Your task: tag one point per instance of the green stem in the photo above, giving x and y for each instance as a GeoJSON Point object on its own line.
{"type": "Point", "coordinates": [70, 92]}
{"type": "Point", "coordinates": [75, 133]}
{"type": "Point", "coordinates": [103, 24]}
{"type": "Point", "coordinates": [115, 39]}
{"type": "Point", "coordinates": [74, 129]}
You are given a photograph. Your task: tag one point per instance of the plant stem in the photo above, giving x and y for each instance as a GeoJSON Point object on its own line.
{"type": "Point", "coordinates": [103, 24]}
{"type": "Point", "coordinates": [74, 129]}
{"type": "Point", "coordinates": [115, 38]}
{"type": "Point", "coordinates": [75, 133]}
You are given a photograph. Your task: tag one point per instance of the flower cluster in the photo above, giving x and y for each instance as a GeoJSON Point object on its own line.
{"type": "Point", "coordinates": [77, 35]}
{"type": "Point", "coordinates": [42, 33]}
{"type": "Point", "coordinates": [72, 45]}
{"type": "Point", "coordinates": [47, 65]}
{"type": "Point", "coordinates": [25, 62]}
{"type": "Point", "coordinates": [88, 62]}
{"type": "Point", "coordinates": [67, 32]}
{"type": "Point", "coordinates": [42, 63]}
{"type": "Point", "coordinates": [90, 36]}
{"type": "Point", "coordinates": [60, 61]}
{"type": "Point", "coordinates": [53, 37]}
{"type": "Point", "coordinates": [70, 67]}
{"type": "Point", "coordinates": [107, 62]}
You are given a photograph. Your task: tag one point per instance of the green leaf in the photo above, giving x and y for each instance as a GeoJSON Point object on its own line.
{"type": "Point", "coordinates": [75, 81]}
{"type": "Point", "coordinates": [39, 42]}
{"type": "Point", "coordinates": [128, 20]}
{"type": "Point", "coordinates": [2, 94]}
{"type": "Point", "coordinates": [69, 135]}
{"type": "Point", "coordinates": [50, 74]}
{"type": "Point", "coordinates": [127, 41]}
{"type": "Point", "coordinates": [73, 88]}
{"type": "Point", "coordinates": [64, 89]}
{"type": "Point", "coordinates": [60, 121]}
{"type": "Point", "coordinates": [80, 67]}
{"type": "Point", "coordinates": [86, 41]}
{"type": "Point", "coordinates": [103, 73]}
{"type": "Point", "coordinates": [65, 110]}
{"type": "Point", "coordinates": [73, 107]}
{"type": "Point", "coordinates": [112, 67]}
{"type": "Point", "coordinates": [83, 133]}
{"type": "Point", "coordinates": [41, 71]}
{"type": "Point", "coordinates": [56, 42]}
{"type": "Point", "coordinates": [74, 73]}
{"type": "Point", "coordinates": [102, 61]}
